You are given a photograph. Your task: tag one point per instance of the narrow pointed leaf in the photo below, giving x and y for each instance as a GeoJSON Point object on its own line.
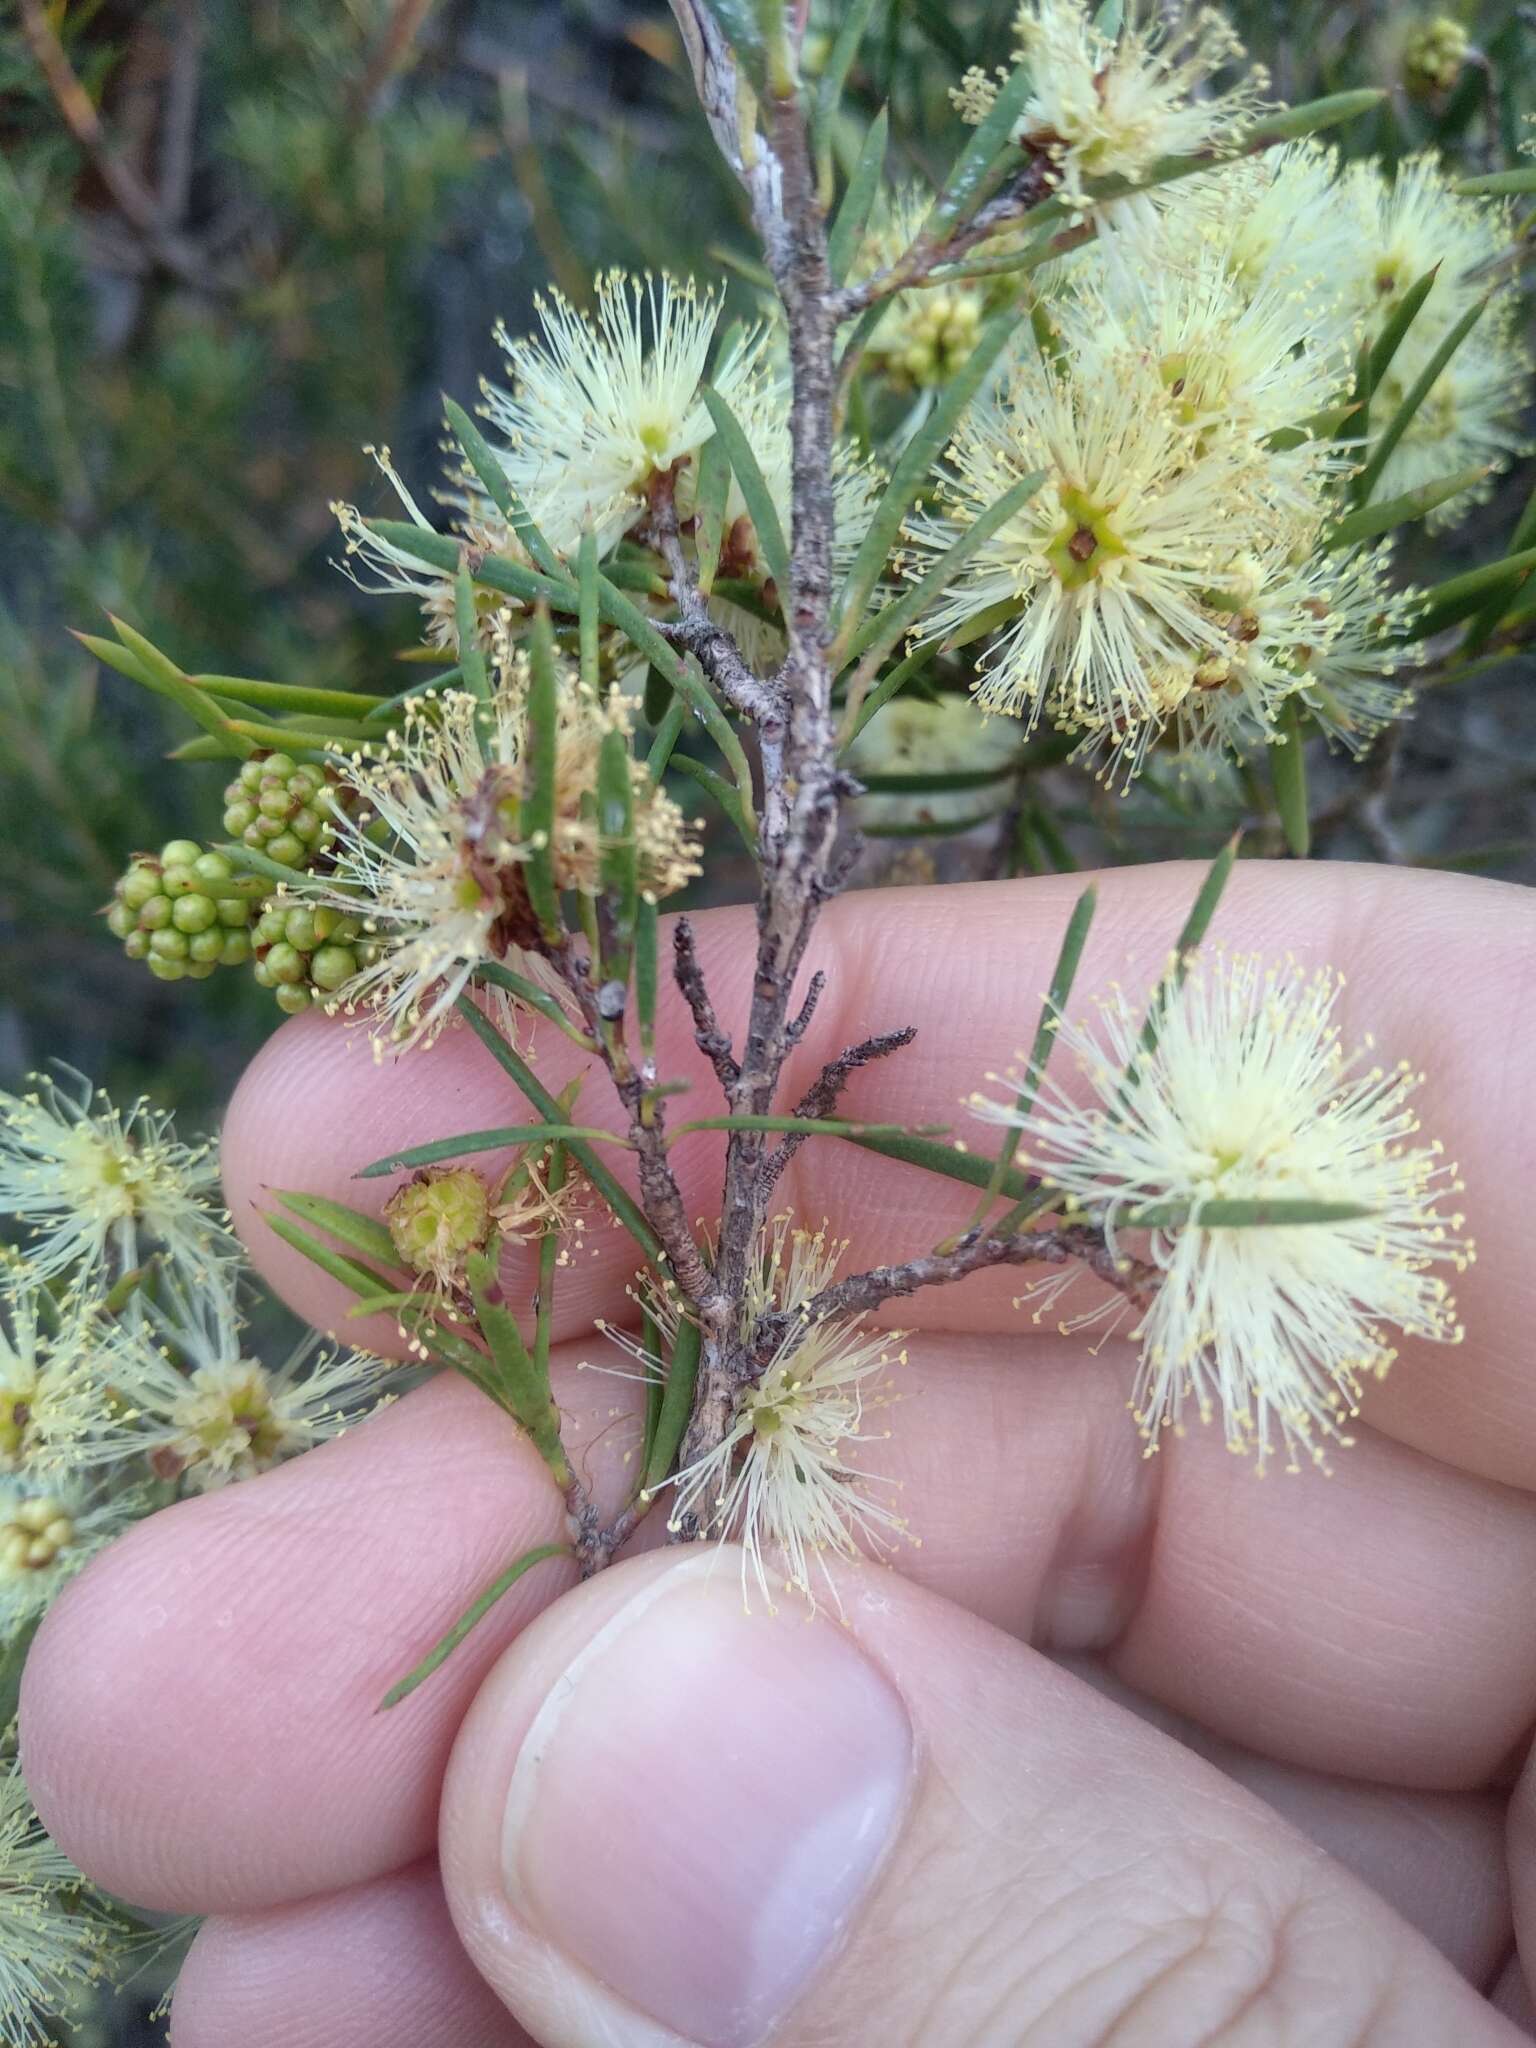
{"type": "Point", "coordinates": [483, 460]}
{"type": "Point", "coordinates": [714, 485]}
{"type": "Point", "coordinates": [845, 46]}
{"type": "Point", "coordinates": [1459, 596]}
{"type": "Point", "coordinates": [951, 1160]}
{"type": "Point", "coordinates": [761, 509]}
{"type": "Point", "coordinates": [469, 1619]}
{"type": "Point", "coordinates": [536, 998]}
{"type": "Point", "coordinates": [982, 163]}
{"type": "Point", "coordinates": [360, 1233]}
{"type": "Point", "coordinates": [722, 792]}
{"type": "Point", "coordinates": [1413, 398]}
{"type": "Point", "coordinates": [1484, 623]}
{"type": "Point", "coordinates": [883, 629]}
{"type": "Point", "coordinates": [1288, 771]}
{"type": "Point", "coordinates": [542, 738]}
{"type": "Point", "coordinates": [469, 1142]}
{"type": "Point", "coordinates": [645, 974]}
{"type": "Point", "coordinates": [515, 1379]}
{"type": "Point", "coordinates": [352, 1273]}
{"type": "Point", "coordinates": [1365, 522]}
{"type": "Point", "coordinates": [847, 231]}
{"type": "Point", "coordinates": [467, 625]}
{"type": "Point", "coordinates": [618, 1198]}
{"type": "Point", "coordinates": [1378, 358]}
{"type": "Point", "coordinates": [172, 683]}
{"type": "Point", "coordinates": [496, 572]}
{"type": "Point", "coordinates": [915, 467]}
{"type": "Point", "coordinates": [1238, 1215]}
{"type": "Point", "coordinates": [1498, 184]}
{"type": "Point", "coordinates": [298, 698]}
{"type": "Point", "coordinates": [618, 861]}
{"type": "Point", "coordinates": [676, 1405]}
{"type": "Point", "coordinates": [890, 686]}
{"type": "Point", "coordinates": [587, 591]}
{"type": "Point", "coordinates": [1068, 960]}
{"type": "Point", "coordinates": [665, 742]}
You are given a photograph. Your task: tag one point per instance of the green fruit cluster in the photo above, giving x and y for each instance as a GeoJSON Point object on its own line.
{"type": "Point", "coordinates": [304, 953]}
{"type": "Point", "coordinates": [184, 911]}
{"type": "Point", "coordinates": [282, 808]}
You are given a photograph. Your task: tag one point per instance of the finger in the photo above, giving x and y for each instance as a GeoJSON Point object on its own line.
{"type": "Point", "coordinates": [1439, 967]}
{"type": "Point", "coordinates": [1437, 1858]}
{"type": "Point", "coordinates": [198, 1718]}
{"type": "Point", "coordinates": [1511, 1996]}
{"type": "Point", "coordinates": [1522, 1877]}
{"type": "Point", "coordinates": [375, 1967]}
{"type": "Point", "coordinates": [906, 1828]}
{"type": "Point", "coordinates": [219, 1674]}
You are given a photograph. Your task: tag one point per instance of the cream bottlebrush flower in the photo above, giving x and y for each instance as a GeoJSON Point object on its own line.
{"type": "Point", "coordinates": [600, 404]}
{"type": "Point", "coordinates": [187, 1397]}
{"type": "Point", "coordinates": [948, 736]}
{"type": "Point", "coordinates": [53, 1948]}
{"type": "Point", "coordinates": [1474, 413]}
{"type": "Point", "coordinates": [48, 1530]}
{"type": "Point", "coordinates": [1112, 105]}
{"type": "Point", "coordinates": [442, 891]}
{"type": "Point", "coordinates": [50, 1398]}
{"type": "Point", "coordinates": [1248, 1095]}
{"type": "Point", "coordinates": [1238, 364]}
{"type": "Point", "coordinates": [1411, 224]}
{"type": "Point", "coordinates": [1281, 217]}
{"type": "Point", "coordinates": [1107, 563]}
{"type": "Point", "coordinates": [781, 1481]}
{"type": "Point", "coordinates": [97, 1186]}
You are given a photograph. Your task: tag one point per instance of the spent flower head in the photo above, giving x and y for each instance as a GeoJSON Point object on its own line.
{"type": "Point", "coordinates": [442, 889]}
{"type": "Point", "coordinates": [1249, 1095]}
{"type": "Point", "coordinates": [98, 1188]}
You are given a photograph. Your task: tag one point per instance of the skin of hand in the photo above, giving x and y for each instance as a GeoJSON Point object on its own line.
{"type": "Point", "coordinates": [1131, 1751]}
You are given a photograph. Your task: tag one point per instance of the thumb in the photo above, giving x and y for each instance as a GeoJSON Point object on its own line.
{"type": "Point", "coordinates": [668, 1821]}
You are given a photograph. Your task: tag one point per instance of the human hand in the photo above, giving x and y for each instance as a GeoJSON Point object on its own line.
{"type": "Point", "coordinates": [913, 1828]}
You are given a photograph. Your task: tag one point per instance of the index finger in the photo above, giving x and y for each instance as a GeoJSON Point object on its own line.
{"type": "Point", "coordinates": [1440, 969]}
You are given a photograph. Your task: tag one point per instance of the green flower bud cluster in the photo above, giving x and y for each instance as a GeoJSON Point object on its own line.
{"type": "Point", "coordinates": [281, 808]}
{"type": "Point", "coordinates": [932, 335]}
{"type": "Point", "coordinates": [305, 952]}
{"type": "Point", "coordinates": [184, 912]}
{"type": "Point", "coordinates": [1435, 53]}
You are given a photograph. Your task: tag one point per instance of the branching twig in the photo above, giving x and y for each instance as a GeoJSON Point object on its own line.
{"type": "Point", "coordinates": [1024, 191]}
{"type": "Point", "coordinates": [1074, 1243]}
{"type": "Point", "coordinates": [711, 1040]}
{"type": "Point", "coordinates": [820, 1099]}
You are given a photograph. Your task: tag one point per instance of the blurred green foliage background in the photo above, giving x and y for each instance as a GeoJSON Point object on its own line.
{"type": "Point", "coordinates": [240, 239]}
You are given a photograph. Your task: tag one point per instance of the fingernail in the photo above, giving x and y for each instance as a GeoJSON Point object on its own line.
{"type": "Point", "coordinates": [702, 1801]}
